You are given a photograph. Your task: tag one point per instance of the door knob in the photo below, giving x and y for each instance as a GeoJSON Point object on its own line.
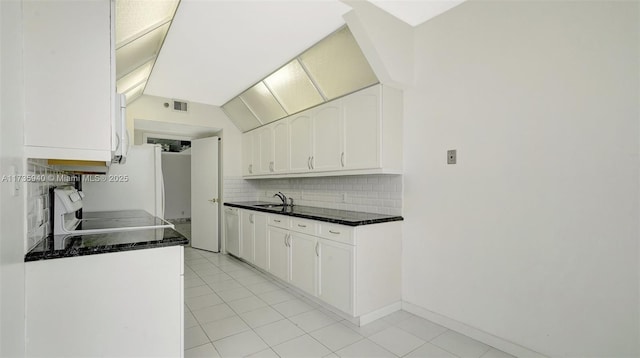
{"type": "Point", "coordinates": [214, 200]}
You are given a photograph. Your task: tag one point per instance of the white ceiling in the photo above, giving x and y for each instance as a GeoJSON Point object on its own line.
{"type": "Point", "coordinates": [216, 49]}
{"type": "Point", "coordinates": [415, 12]}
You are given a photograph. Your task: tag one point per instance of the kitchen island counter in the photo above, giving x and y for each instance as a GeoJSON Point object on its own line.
{"type": "Point", "coordinates": [60, 246]}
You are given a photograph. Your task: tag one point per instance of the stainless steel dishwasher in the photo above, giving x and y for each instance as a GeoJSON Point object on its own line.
{"type": "Point", "coordinates": [232, 231]}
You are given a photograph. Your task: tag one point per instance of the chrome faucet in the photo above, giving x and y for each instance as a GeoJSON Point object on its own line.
{"type": "Point", "coordinates": [282, 197]}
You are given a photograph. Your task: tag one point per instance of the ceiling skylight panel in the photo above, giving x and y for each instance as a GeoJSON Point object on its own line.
{"type": "Point", "coordinates": [262, 103]}
{"type": "Point", "coordinates": [293, 88]}
{"type": "Point", "coordinates": [135, 77]}
{"type": "Point", "coordinates": [240, 115]}
{"type": "Point", "coordinates": [136, 17]}
{"type": "Point", "coordinates": [141, 50]}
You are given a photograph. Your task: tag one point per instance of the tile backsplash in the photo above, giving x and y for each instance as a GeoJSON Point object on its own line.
{"type": "Point", "coordinates": [369, 193]}
{"type": "Point", "coordinates": [38, 205]}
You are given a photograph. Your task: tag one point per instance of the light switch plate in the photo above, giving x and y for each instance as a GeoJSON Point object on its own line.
{"type": "Point", "coordinates": [451, 156]}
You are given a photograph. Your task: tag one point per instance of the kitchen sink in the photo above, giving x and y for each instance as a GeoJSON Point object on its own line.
{"type": "Point", "coordinates": [269, 206]}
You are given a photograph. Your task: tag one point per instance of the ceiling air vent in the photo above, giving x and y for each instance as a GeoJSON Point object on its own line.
{"type": "Point", "coordinates": [180, 106]}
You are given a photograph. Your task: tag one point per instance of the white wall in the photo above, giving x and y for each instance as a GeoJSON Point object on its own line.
{"type": "Point", "coordinates": [533, 235]}
{"type": "Point", "coordinates": [152, 108]}
{"type": "Point", "coordinates": [176, 170]}
{"type": "Point", "coordinates": [12, 208]}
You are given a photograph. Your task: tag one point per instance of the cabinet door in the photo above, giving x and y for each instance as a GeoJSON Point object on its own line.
{"type": "Point", "coordinates": [265, 136]}
{"type": "Point", "coordinates": [304, 262]}
{"type": "Point", "coordinates": [301, 145]}
{"type": "Point", "coordinates": [278, 252]}
{"type": "Point", "coordinates": [247, 154]}
{"type": "Point", "coordinates": [247, 235]}
{"type": "Point", "coordinates": [255, 152]}
{"type": "Point", "coordinates": [67, 45]}
{"type": "Point", "coordinates": [260, 240]}
{"type": "Point", "coordinates": [328, 137]}
{"type": "Point", "coordinates": [337, 269]}
{"type": "Point", "coordinates": [281, 146]}
{"type": "Point", "coordinates": [362, 121]}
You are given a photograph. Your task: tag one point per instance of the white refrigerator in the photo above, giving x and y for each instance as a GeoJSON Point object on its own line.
{"type": "Point", "coordinates": [137, 184]}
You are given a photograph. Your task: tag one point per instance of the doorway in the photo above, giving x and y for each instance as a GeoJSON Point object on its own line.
{"type": "Point", "coordinates": [178, 162]}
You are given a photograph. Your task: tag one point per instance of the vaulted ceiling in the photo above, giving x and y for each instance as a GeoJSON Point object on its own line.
{"type": "Point", "coordinates": [215, 49]}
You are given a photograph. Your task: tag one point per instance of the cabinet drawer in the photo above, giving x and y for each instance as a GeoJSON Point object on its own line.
{"type": "Point", "coordinates": [335, 232]}
{"type": "Point", "coordinates": [279, 221]}
{"type": "Point", "coordinates": [304, 226]}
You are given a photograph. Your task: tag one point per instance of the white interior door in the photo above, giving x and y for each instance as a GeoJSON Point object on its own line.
{"type": "Point", "coordinates": [204, 194]}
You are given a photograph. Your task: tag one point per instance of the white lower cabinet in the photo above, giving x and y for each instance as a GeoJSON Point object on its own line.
{"type": "Point", "coordinates": [248, 235]}
{"type": "Point", "coordinates": [278, 252]}
{"type": "Point", "coordinates": [122, 304]}
{"type": "Point", "coordinates": [304, 261]}
{"type": "Point", "coordinates": [336, 272]}
{"type": "Point", "coordinates": [353, 269]}
{"type": "Point", "coordinates": [260, 247]}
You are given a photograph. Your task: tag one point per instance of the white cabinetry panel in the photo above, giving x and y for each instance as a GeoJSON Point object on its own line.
{"type": "Point", "coordinates": [336, 272]}
{"type": "Point", "coordinates": [360, 133]}
{"type": "Point", "coordinates": [362, 129]}
{"type": "Point", "coordinates": [248, 235]}
{"type": "Point", "coordinates": [122, 304]}
{"type": "Point", "coordinates": [278, 252]}
{"type": "Point", "coordinates": [281, 146]}
{"type": "Point", "coordinates": [265, 137]}
{"type": "Point", "coordinates": [304, 262]}
{"type": "Point", "coordinates": [328, 137]}
{"type": "Point", "coordinates": [260, 240]}
{"type": "Point", "coordinates": [68, 81]}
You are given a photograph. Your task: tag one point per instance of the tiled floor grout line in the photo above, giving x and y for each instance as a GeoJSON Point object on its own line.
{"type": "Point", "coordinates": [294, 294]}
{"type": "Point", "coordinates": [251, 278]}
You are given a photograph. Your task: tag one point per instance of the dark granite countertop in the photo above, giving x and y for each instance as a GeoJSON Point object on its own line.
{"type": "Point", "coordinates": [343, 217]}
{"type": "Point", "coordinates": [60, 246]}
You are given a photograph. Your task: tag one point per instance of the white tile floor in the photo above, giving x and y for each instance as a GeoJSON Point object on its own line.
{"type": "Point", "coordinates": [233, 310]}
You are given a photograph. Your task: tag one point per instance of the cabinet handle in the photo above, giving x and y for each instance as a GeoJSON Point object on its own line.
{"type": "Point", "coordinates": [317, 253]}
{"type": "Point", "coordinates": [250, 168]}
{"type": "Point", "coordinates": [342, 159]}
{"type": "Point", "coordinates": [309, 163]}
{"type": "Point", "coordinates": [276, 220]}
{"type": "Point", "coordinates": [271, 166]}
{"type": "Point", "coordinates": [285, 240]}
{"type": "Point", "coordinates": [334, 232]}
{"type": "Point", "coordinates": [312, 166]}
{"type": "Point", "coordinates": [289, 240]}
{"type": "Point", "coordinates": [300, 225]}
{"type": "Point", "coordinates": [251, 218]}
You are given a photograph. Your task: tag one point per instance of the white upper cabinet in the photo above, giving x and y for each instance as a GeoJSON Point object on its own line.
{"type": "Point", "coordinates": [69, 85]}
{"type": "Point", "coordinates": [265, 137]}
{"type": "Point", "coordinates": [281, 146]}
{"type": "Point", "coordinates": [362, 129]}
{"type": "Point", "coordinates": [301, 126]}
{"type": "Point", "coordinates": [328, 139]}
{"type": "Point", "coordinates": [360, 133]}
{"type": "Point", "coordinates": [247, 152]}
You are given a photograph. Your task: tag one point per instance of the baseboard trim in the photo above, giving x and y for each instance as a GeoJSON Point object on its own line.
{"type": "Point", "coordinates": [479, 335]}
{"type": "Point", "coordinates": [379, 313]}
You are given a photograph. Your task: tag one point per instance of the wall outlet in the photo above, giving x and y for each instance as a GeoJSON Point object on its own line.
{"type": "Point", "coordinates": [451, 156]}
